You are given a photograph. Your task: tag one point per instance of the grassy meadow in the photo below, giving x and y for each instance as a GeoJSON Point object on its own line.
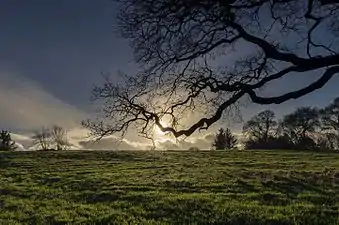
{"type": "Point", "coordinates": [153, 187]}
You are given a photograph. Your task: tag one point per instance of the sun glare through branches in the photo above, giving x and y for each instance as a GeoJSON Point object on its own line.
{"type": "Point", "coordinates": [161, 137]}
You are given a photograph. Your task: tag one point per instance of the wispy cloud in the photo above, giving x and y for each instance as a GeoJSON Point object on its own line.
{"type": "Point", "coordinates": [24, 105]}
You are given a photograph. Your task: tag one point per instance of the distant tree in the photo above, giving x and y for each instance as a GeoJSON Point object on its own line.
{"type": "Point", "coordinates": [6, 142]}
{"type": "Point", "coordinates": [59, 138]}
{"type": "Point", "coordinates": [224, 140]}
{"type": "Point", "coordinates": [330, 123]}
{"type": "Point", "coordinates": [300, 127]}
{"type": "Point", "coordinates": [260, 129]}
{"type": "Point", "coordinates": [42, 138]}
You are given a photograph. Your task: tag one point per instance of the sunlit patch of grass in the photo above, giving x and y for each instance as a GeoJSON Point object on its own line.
{"type": "Point", "coordinates": [257, 187]}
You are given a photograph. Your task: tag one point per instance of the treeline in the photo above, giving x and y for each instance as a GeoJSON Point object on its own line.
{"type": "Point", "coordinates": [307, 128]}
{"type": "Point", "coordinates": [54, 138]}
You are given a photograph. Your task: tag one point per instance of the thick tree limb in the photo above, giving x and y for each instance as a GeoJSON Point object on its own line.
{"type": "Point", "coordinates": [295, 94]}
{"type": "Point", "coordinates": [181, 44]}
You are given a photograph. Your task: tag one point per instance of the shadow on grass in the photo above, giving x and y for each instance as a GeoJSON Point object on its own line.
{"type": "Point", "coordinates": [121, 156]}
{"type": "Point", "coordinates": [293, 186]}
{"type": "Point", "coordinates": [5, 160]}
{"type": "Point", "coordinates": [137, 194]}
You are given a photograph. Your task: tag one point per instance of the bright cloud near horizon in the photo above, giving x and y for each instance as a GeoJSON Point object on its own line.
{"type": "Point", "coordinates": [52, 52]}
{"type": "Point", "coordinates": [26, 107]}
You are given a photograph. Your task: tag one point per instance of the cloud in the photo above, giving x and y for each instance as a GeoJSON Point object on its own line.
{"type": "Point", "coordinates": [24, 105]}
{"type": "Point", "coordinates": [110, 143]}
{"type": "Point", "coordinates": [22, 142]}
{"type": "Point", "coordinates": [80, 140]}
{"type": "Point", "coordinates": [202, 142]}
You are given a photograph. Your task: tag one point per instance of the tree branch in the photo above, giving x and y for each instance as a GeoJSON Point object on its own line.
{"type": "Point", "coordinates": [295, 94]}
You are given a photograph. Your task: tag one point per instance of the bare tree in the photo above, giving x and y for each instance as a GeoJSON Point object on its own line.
{"type": "Point", "coordinates": [262, 126]}
{"type": "Point", "coordinates": [301, 126]}
{"type": "Point", "coordinates": [204, 57]}
{"type": "Point", "coordinates": [59, 137]}
{"type": "Point", "coordinates": [42, 138]}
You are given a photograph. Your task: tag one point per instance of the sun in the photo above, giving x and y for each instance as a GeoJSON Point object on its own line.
{"type": "Point", "coordinates": [159, 136]}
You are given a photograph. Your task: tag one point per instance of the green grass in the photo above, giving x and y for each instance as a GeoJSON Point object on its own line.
{"type": "Point", "coordinates": [259, 187]}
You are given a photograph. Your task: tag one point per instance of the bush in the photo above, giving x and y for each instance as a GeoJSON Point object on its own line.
{"type": "Point", "coordinates": [280, 142]}
{"type": "Point", "coordinates": [6, 142]}
{"type": "Point", "coordinates": [194, 149]}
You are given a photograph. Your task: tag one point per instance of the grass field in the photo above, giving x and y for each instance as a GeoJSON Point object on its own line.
{"type": "Point", "coordinates": [261, 187]}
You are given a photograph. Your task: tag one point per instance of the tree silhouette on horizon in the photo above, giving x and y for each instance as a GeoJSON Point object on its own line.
{"type": "Point", "coordinates": [224, 139]}
{"type": "Point", "coordinates": [6, 142]}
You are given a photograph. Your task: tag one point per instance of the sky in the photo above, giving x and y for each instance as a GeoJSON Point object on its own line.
{"type": "Point", "coordinates": [63, 45]}
{"type": "Point", "coordinates": [52, 53]}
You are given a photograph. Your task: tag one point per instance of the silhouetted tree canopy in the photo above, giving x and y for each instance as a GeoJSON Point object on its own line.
{"type": "Point", "coordinates": [300, 127]}
{"type": "Point", "coordinates": [262, 126]}
{"type": "Point", "coordinates": [330, 123]}
{"type": "Point", "coordinates": [204, 57]}
{"type": "Point", "coordinates": [6, 142]}
{"type": "Point", "coordinates": [261, 132]}
{"type": "Point", "coordinates": [306, 128]}
{"type": "Point", "coordinates": [224, 139]}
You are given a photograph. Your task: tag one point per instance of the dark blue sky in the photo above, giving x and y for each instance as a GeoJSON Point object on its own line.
{"type": "Point", "coordinates": [64, 45]}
